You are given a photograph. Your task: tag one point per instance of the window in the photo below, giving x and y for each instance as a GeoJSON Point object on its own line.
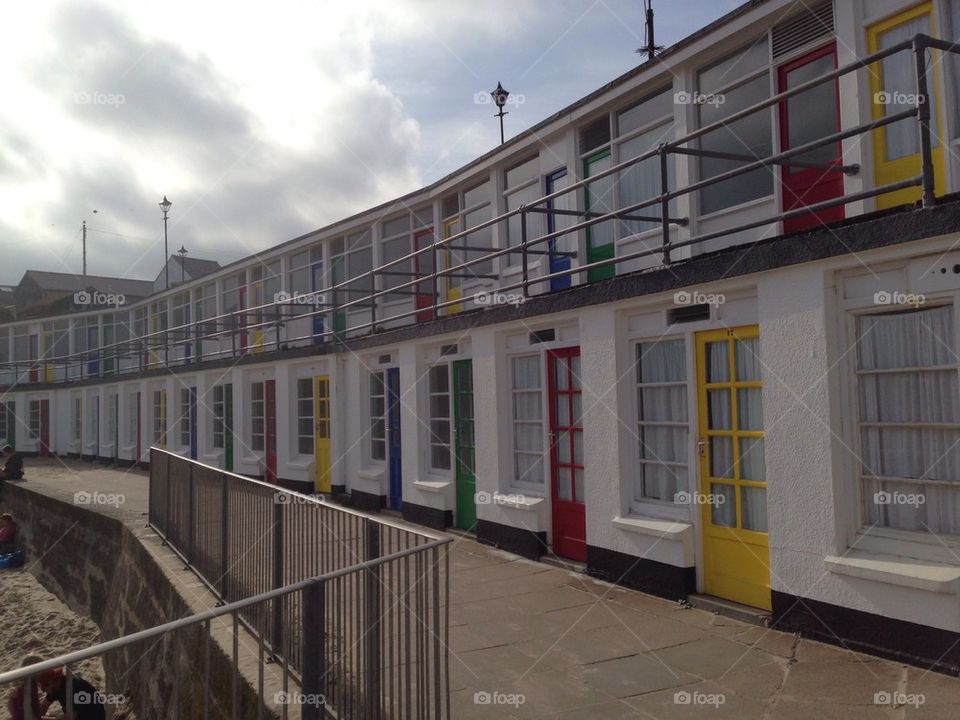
{"type": "Point", "coordinates": [208, 308]}
{"type": "Point", "coordinates": [113, 422]}
{"type": "Point", "coordinates": [133, 420]}
{"type": "Point", "coordinates": [76, 420]}
{"type": "Point", "coordinates": [953, 11]}
{"type": "Point", "coordinates": [8, 422]}
{"type": "Point", "coordinates": [523, 187]}
{"type": "Point", "coordinates": [305, 416]}
{"type": "Point", "coordinates": [139, 329]}
{"type": "Point", "coordinates": [662, 425]}
{"type": "Point", "coordinates": [305, 267]}
{"type": "Point", "coordinates": [438, 391]}
{"type": "Point", "coordinates": [184, 420]}
{"type": "Point", "coordinates": [257, 418]}
{"type": "Point", "coordinates": [159, 322]}
{"type": "Point", "coordinates": [160, 417]}
{"type": "Point", "coordinates": [750, 136]}
{"type": "Point", "coordinates": [218, 415]}
{"type": "Point", "coordinates": [464, 211]}
{"type": "Point", "coordinates": [350, 258]}
{"type": "Point", "coordinates": [378, 416]}
{"type": "Point", "coordinates": [527, 401]}
{"type": "Point", "coordinates": [909, 420]}
{"type": "Point", "coordinates": [33, 420]}
{"type": "Point", "coordinates": [232, 299]}
{"type": "Point", "coordinates": [394, 245]}
{"type": "Point", "coordinates": [641, 128]}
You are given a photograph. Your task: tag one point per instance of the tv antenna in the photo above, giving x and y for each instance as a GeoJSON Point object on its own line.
{"type": "Point", "coordinates": [651, 49]}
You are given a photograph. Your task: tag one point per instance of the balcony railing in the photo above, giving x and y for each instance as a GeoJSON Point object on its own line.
{"type": "Point", "coordinates": [343, 615]}
{"type": "Point", "coordinates": [274, 325]}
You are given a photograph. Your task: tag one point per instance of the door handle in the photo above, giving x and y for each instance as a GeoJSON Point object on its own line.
{"type": "Point", "coordinates": [702, 445]}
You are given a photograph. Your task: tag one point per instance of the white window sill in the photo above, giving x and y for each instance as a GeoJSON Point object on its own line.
{"type": "Point", "coordinates": [301, 464]}
{"type": "Point", "coordinates": [724, 212]}
{"type": "Point", "coordinates": [896, 570]}
{"type": "Point", "coordinates": [371, 473]}
{"type": "Point", "coordinates": [665, 529]}
{"type": "Point", "coordinates": [517, 501]}
{"type": "Point", "coordinates": [433, 486]}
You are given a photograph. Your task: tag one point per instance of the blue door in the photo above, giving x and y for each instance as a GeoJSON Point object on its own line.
{"type": "Point", "coordinates": [558, 263]}
{"type": "Point", "coordinates": [393, 437]}
{"type": "Point", "coordinates": [317, 286]}
{"type": "Point", "coordinates": [193, 423]}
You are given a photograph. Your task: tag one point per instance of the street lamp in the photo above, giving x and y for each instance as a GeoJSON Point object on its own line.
{"type": "Point", "coordinates": [500, 96]}
{"type": "Point", "coordinates": [165, 207]}
{"type": "Point", "coordinates": [182, 252]}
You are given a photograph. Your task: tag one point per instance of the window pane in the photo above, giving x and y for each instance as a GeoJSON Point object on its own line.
{"type": "Point", "coordinates": [661, 362]}
{"type": "Point", "coordinates": [523, 173]}
{"type": "Point", "coordinates": [751, 136]}
{"type": "Point", "coordinates": [645, 112]}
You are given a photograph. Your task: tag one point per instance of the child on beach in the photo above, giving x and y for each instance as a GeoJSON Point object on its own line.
{"type": "Point", "coordinates": [8, 533]}
{"type": "Point", "coordinates": [13, 465]}
{"type": "Point", "coordinates": [87, 700]}
{"type": "Point", "coordinates": [24, 701]}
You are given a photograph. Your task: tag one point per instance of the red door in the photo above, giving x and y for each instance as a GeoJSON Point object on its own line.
{"type": "Point", "coordinates": [423, 265]}
{"type": "Point", "coordinates": [566, 454]}
{"type": "Point", "coordinates": [270, 413]}
{"type": "Point", "coordinates": [44, 428]}
{"type": "Point", "coordinates": [804, 118]}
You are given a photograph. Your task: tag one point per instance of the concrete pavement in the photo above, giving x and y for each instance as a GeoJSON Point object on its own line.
{"type": "Point", "coordinates": [530, 640]}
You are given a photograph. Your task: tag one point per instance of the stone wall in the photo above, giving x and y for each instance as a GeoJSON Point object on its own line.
{"type": "Point", "coordinates": [98, 567]}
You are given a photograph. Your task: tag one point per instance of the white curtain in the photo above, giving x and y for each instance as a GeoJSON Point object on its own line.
{"type": "Point", "coordinates": [658, 405]}
{"type": "Point", "coordinates": [641, 181]}
{"type": "Point", "coordinates": [899, 78]}
{"type": "Point", "coordinates": [527, 420]}
{"type": "Point", "coordinates": [910, 341]}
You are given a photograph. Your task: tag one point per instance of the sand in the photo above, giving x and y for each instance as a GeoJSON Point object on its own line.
{"type": "Point", "coordinates": [33, 621]}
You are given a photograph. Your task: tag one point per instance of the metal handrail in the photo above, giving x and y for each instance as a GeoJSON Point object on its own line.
{"type": "Point", "coordinates": [236, 322]}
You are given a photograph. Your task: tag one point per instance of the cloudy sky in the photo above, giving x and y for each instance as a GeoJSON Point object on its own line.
{"type": "Point", "coordinates": [262, 121]}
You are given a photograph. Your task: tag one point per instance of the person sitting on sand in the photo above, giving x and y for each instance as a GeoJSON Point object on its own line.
{"type": "Point", "coordinates": [87, 700]}
{"type": "Point", "coordinates": [8, 533]}
{"type": "Point", "coordinates": [13, 467]}
{"type": "Point", "coordinates": [24, 704]}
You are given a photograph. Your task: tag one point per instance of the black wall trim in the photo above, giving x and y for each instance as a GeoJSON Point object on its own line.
{"type": "Point", "coordinates": [367, 502]}
{"type": "Point", "coordinates": [649, 576]}
{"type": "Point", "coordinates": [908, 642]}
{"type": "Point", "coordinates": [526, 543]}
{"type": "Point", "coordinates": [430, 517]}
{"type": "Point", "coordinates": [300, 486]}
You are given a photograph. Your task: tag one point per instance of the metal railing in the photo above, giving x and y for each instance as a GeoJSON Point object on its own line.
{"type": "Point", "coordinates": [245, 331]}
{"type": "Point", "coordinates": [343, 615]}
{"type": "Point", "coordinates": [381, 632]}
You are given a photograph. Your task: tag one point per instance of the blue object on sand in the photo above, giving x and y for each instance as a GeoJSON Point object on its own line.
{"type": "Point", "coordinates": [12, 560]}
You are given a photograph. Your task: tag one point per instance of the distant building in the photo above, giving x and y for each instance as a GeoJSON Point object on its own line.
{"type": "Point", "coordinates": [184, 269]}
{"type": "Point", "coordinates": [45, 293]}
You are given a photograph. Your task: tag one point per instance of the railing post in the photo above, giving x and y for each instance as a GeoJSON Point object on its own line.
{"type": "Point", "coordinates": [278, 572]}
{"type": "Point", "coordinates": [167, 503]}
{"type": "Point", "coordinates": [923, 117]}
{"type": "Point", "coordinates": [276, 317]}
{"type": "Point", "coordinates": [523, 251]}
{"type": "Point", "coordinates": [313, 649]}
{"type": "Point", "coordinates": [664, 202]}
{"type": "Point", "coordinates": [373, 302]}
{"type": "Point", "coordinates": [191, 516]}
{"type": "Point", "coordinates": [224, 534]}
{"type": "Point", "coordinates": [372, 623]}
{"type": "Point", "coordinates": [434, 280]}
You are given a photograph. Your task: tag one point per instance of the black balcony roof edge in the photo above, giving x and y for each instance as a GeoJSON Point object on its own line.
{"type": "Point", "coordinates": [897, 226]}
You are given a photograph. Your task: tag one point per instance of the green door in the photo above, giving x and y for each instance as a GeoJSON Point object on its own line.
{"type": "Point", "coordinates": [464, 444]}
{"type": "Point", "coordinates": [228, 427]}
{"type": "Point", "coordinates": [598, 198]}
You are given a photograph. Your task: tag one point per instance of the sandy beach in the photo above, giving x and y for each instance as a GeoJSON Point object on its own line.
{"type": "Point", "coordinates": [34, 621]}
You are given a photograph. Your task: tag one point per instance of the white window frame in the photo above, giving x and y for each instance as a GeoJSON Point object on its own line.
{"type": "Point", "coordinates": [432, 439]}
{"type": "Point", "coordinates": [76, 419]}
{"type": "Point", "coordinates": [258, 410]}
{"type": "Point", "coordinates": [159, 413]}
{"type": "Point", "coordinates": [541, 489]}
{"type": "Point", "coordinates": [302, 403]}
{"type": "Point", "coordinates": [373, 419]}
{"type": "Point", "coordinates": [646, 504]}
{"type": "Point", "coordinates": [183, 422]}
{"type": "Point", "coordinates": [514, 260]}
{"type": "Point", "coordinates": [218, 417]}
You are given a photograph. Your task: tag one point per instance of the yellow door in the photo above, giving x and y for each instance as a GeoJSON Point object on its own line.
{"type": "Point", "coordinates": [733, 495]}
{"type": "Point", "coordinates": [256, 301]}
{"type": "Point", "coordinates": [453, 291]}
{"type": "Point", "coordinates": [893, 87]}
{"type": "Point", "coordinates": [48, 353]}
{"type": "Point", "coordinates": [321, 418]}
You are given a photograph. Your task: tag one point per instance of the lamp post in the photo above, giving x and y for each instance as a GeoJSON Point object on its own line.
{"type": "Point", "coordinates": [165, 207]}
{"type": "Point", "coordinates": [182, 252]}
{"type": "Point", "coordinates": [500, 96]}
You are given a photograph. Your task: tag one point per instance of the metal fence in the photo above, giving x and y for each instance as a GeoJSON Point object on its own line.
{"type": "Point", "coordinates": [342, 615]}
{"type": "Point", "coordinates": [426, 274]}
